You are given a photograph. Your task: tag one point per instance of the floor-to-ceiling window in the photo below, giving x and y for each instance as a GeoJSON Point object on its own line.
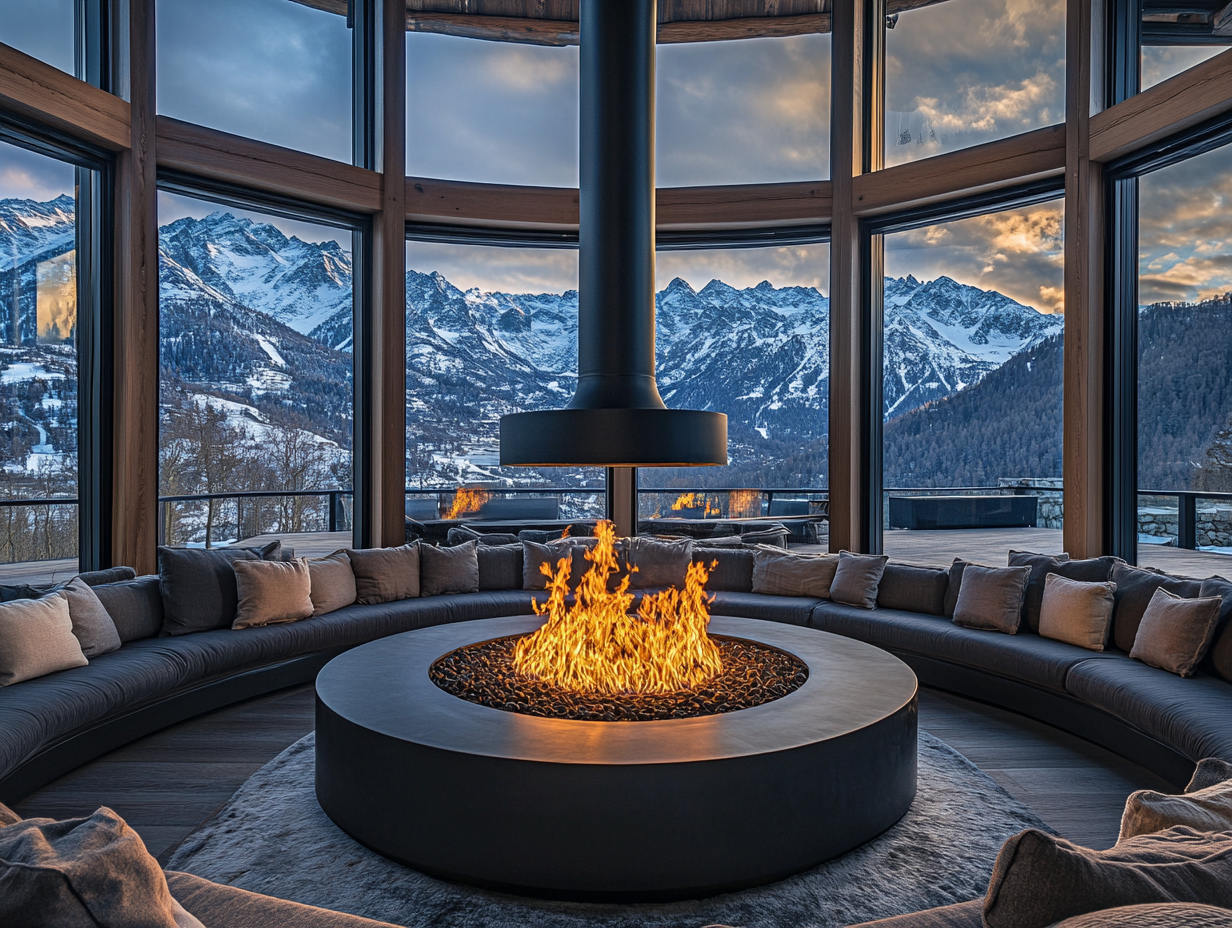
{"type": "Point", "coordinates": [1184, 384]}
{"type": "Point", "coordinates": [43, 29]}
{"type": "Point", "coordinates": [256, 331]}
{"type": "Point", "coordinates": [490, 330]}
{"type": "Point", "coordinates": [972, 320]}
{"type": "Point", "coordinates": [47, 290]}
{"type": "Point", "coordinates": [962, 72]}
{"type": "Point", "coordinates": [746, 332]}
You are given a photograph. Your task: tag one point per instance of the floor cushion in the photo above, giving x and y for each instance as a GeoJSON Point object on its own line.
{"type": "Point", "coordinates": [220, 906]}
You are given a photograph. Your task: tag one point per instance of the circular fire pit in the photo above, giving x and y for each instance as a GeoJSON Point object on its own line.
{"type": "Point", "coordinates": [614, 810]}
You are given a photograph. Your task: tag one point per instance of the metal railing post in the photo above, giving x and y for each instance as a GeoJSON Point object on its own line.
{"type": "Point", "coordinates": [1187, 521]}
{"type": "Point", "coordinates": [333, 512]}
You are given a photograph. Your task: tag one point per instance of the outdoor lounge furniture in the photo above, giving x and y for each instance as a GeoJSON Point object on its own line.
{"type": "Point", "coordinates": [956, 512]}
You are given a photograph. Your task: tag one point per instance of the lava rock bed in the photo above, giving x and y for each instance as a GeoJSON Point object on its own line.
{"type": "Point", "coordinates": [752, 674]}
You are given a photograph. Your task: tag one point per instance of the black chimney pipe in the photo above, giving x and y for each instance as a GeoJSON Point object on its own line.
{"type": "Point", "coordinates": [616, 417]}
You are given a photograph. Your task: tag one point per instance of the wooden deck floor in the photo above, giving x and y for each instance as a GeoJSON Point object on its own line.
{"type": "Point", "coordinates": [167, 784]}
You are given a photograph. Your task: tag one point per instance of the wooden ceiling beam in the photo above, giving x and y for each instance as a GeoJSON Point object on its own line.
{"type": "Point", "coordinates": [38, 92]}
{"type": "Point", "coordinates": [220, 156]}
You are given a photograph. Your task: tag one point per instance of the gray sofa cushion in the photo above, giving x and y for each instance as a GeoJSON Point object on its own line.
{"type": "Point", "coordinates": [791, 610]}
{"type": "Point", "coordinates": [136, 606]}
{"type": "Point", "coordinates": [659, 562]}
{"type": "Point", "coordinates": [198, 585]}
{"type": "Point", "coordinates": [1027, 658]}
{"type": "Point", "coordinates": [500, 566]}
{"type": "Point", "coordinates": [1133, 594]}
{"type": "Point", "coordinates": [1040, 879]}
{"type": "Point", "coordinates": [913, 589]}
{"type": "Point", "coordinates": [857, 577]}
{"type": "Point", "coordinates": [991, 598]}
{"type": "Point", "coordinates": [1153, 915]}
{"type": "Point", "coordinates": [731, 569]}
{"type": "Point", "coordinates": [953, 587]}
{"type": "Point", "coordinates": [1219, 658]}
{"type": "Point", "coordinates": [449, 570]}
{"type": "Point", "coordinates": [1189, 713]}
{"type": "Point", "coordinates": [110, 575]}
{"type": "Point", "coordinates": [385, 575]}
{"type": "Point", "coordinates": [219, 906]}
{"type": "Point", "coordinates": [92, 625]}
{"type": "Point", "coordinates": [963, 915]}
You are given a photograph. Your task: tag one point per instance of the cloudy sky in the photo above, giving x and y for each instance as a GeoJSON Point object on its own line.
{"type": "Point", "coordinates": [959, 73]}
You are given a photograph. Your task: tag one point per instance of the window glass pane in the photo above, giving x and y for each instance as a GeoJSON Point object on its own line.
{"type": "Point", "coordinates": [972, 364]}
{"type": "Point", "coordinates": [964, 72]}
{"type": "Point", "coordinates": [746, 332]}
{"type": "Point", "coordinates": [1184, 360]}
{"type": "Point", "coordinates": [43, 29]}
{"type": "Point", "coordinates": [272, 70]}
{"type": "Point", "coordinates": [489, 331]}
{"type": "Point", "coordinates": [38, 365]}
{"type": "Point", "coordinates": [1162, 62]}
{"type": "Point", "coordinates": [255, 336]}
{"type": "Point", "coordinates": [747, 112]}
{"type": "Point", "coordinates": [495, 112]}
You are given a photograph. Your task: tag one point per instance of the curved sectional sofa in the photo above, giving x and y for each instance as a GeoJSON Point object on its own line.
{"type": "Point", "coordinates": [55, 723]}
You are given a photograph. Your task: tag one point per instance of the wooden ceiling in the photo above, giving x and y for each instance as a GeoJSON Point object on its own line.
{"type": "Point", "coordinates": [555, 22]}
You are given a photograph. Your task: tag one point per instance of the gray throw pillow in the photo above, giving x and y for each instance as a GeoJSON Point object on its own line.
{"type": "Point", "coordinates": [954, 587]}
{"type": "Point", "coordinates": [857, 578]}
{"type": "Point", "coordinates": [86, 871]}
{"type": "Point", "coordinates": [1208, 772]}
{"type": "Point", "coordinates": [913, 589]}
{"type": "Point", "coordinates": [535, 555]}
{"type": "Point", "coordinates": [1076, 612]}
{"type": "Point", "coordinates": [1153, 915]}
{"type": "Point", "coordinates": [1219, 658]}
{"type": "Point", "coordinates": [332, 583]}
{"type": "Point", "coordinates": [657, 562]}
{"type": "Point", "coordinates": [731, 568]}
{"type": "Point", "coordinates": [778, 572]}
{"type": "Point", "coordinates": [198, 585]}
{"type": "Point", "coordinates": [1147, 811]}
{"type": "Point", "coordinates": [1135, 587]}
{"type": "Point", "coordinates": [991, 598]}
{"type": "Point", "coordinates": [1040, 879]}
{"type": "Point", "coordinates": [385, 575]}
{"type": "Point", "coordinates": [449, 570]}
{"type": "Point", "coordinates": [93, 626]}
{"type": "Point", "coordinates": [500, 566]}
{"type": "Point", "coordinates": [272, 592]}
{"type": "Point", "coordinates": [1176, 632]}
{"type": "Point", "coordinates": [136, 606]}
{"type": "Point", "coordinates": [36, 638]}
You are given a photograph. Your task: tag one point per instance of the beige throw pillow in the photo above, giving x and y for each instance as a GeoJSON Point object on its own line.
{"type": "Point", "coordinates": [779, 573]}
{"type": "Point", "coordinates": [1076, 612]}
{"type": "Point", "coordinates": [857, 578]}
{"type": "Point", "coordinates": [1176, 632]}
{"type": "Point", "coordinates": [272, 592]}
{"type": "Point", "coordinates": [1147, 811]}
{"type": "Point", "coordinates": [385, 575]}
{"type": "Point", "coordinates": [36, 638]}
{"type": "Point", "coordinates": [333, 583]}
{"type": "Point", "coordinates": [991, 598]}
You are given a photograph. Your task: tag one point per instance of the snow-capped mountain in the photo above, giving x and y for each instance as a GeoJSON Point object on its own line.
{"type": "Point", "coordinates": [33, 231]}
{"type": "Point", "coordinates": [298, 283]}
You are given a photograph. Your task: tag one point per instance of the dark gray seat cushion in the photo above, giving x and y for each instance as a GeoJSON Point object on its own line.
{"type": "Point", "coordinates": [1027, 658]}
{"type": "Point", "coordinates": [791, 610]}
{"type": "Point", "coordinates": [1192, 714]}
{"type": "Point", "coordinates": [218, 906]}
{"type": "Point", "coordinates": [963, 915]}
{"type": "Point", "coordinates": [136, 606]}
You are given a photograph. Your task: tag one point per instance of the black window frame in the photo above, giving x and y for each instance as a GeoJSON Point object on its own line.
{"type": "Point", "coordinates": [870, 449]}
{"type": "Point", "coordinates": [95, 258]}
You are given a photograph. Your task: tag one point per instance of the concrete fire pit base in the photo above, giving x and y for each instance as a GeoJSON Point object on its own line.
{"type": "Point", "coordinates": [619, 811]}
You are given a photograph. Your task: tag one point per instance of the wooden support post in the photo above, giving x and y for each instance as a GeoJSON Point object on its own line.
{"type": "Point", "coordinates": [134, 517]}
{"type": "Point", "coordinates": [849, 477]}
{"type": "Point", "coordinates": [622, 499]}
{"type": "Point", "coordinates": [1084, 470]}
{"type": "Point", "coordinates": [387, 487]}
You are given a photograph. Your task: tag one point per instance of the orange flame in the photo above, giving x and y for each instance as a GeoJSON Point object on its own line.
{"type": "Point", "coordinates": [465, 501]}
{"type": "Point", "coordinates": [694, 500]}
{"type": "Point", "coordinates": [595, 646]}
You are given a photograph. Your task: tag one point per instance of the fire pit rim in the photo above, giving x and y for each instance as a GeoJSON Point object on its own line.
{"type": "Point", "coordinates": [419, 711]}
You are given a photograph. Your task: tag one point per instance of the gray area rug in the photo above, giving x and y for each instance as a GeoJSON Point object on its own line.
{"type": "Point", "coordinates": [273, 838]}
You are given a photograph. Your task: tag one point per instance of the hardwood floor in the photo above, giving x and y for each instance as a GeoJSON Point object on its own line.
{"type": "Point", "coordinates": [167, 784]}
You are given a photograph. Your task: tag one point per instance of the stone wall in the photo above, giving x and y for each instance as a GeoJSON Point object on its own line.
{"type": "Point", "coordinates": [1051, 511]}
{"type": "Point", "coordinates": [1214, 524]}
